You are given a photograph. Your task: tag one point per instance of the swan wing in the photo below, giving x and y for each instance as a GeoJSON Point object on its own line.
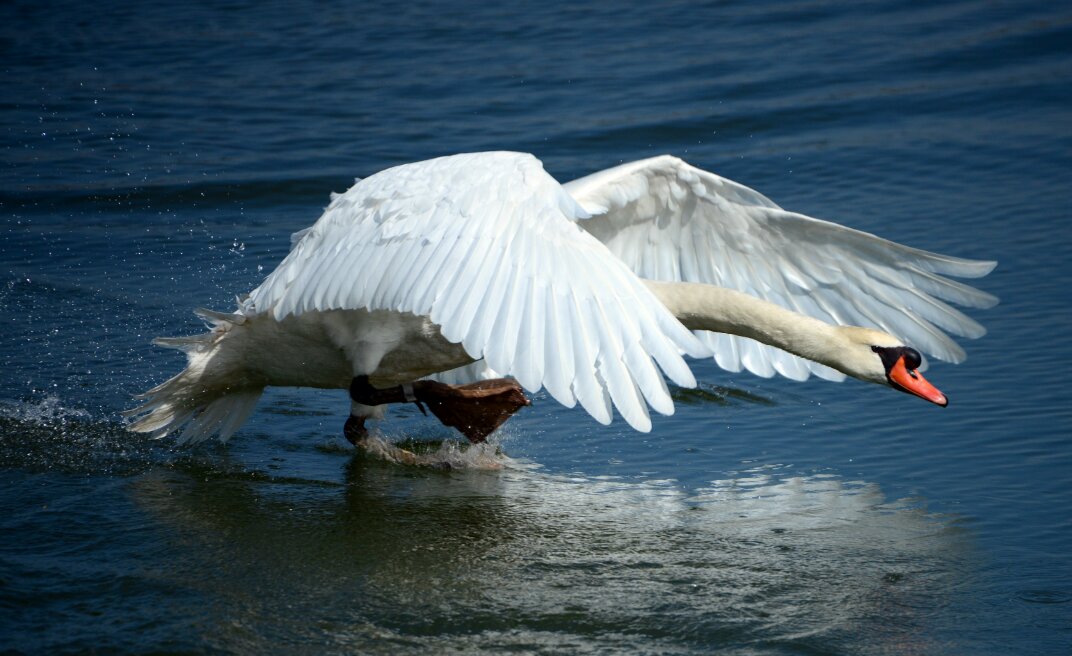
{"type": "Point", "coordinates": [488, 246]}
{"type": "Point", "coordinates": [668, 220]}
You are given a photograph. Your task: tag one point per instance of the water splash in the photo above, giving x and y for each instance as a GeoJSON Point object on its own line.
{"type": "Point", "coordinates": [49, 411]}
{"type": "Point", "coordinates": [445, 454]}
{"type": "Point", "coordinates": [48, 435]}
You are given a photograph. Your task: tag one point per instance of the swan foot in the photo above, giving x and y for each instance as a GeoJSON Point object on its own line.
{"type": "Point", "coordinates": [357, 434]}
{"type": "Point", "coordinates": [354, 429]}
{"type": "Point", "coordinates": [476, 409]}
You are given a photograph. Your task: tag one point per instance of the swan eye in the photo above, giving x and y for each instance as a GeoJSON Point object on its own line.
{"type": "Point", "coordinates": [912, 359]}
{"type": "Point", "coordinates": [891, 354]}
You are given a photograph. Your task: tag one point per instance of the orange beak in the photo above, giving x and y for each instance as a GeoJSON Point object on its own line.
{"type": "Point", "coordinates": [913, 382]}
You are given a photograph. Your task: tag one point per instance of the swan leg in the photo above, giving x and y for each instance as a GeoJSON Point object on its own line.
{"type": "Point", "coordinates": [365, 338]}
{"type": "Point", "coordinates": [476, 409]}
{"type": "Point", "coordinates": [354, 429]}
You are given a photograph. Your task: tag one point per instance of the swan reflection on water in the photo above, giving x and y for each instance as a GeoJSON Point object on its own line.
{"type": "Point", "coordinates": [399, 558]}
{"type": "Point", "coordinates": [250, 551]}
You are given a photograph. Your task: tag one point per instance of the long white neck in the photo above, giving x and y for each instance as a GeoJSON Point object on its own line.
{"type": "Point", "coordinates": [706, 307]}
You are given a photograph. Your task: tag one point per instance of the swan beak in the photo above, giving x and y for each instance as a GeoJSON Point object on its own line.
{"type": "Point", "coordinates": [913, 382]}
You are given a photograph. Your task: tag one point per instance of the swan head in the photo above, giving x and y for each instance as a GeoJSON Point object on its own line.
{"type": "Point", "coordinates": [881, 358]}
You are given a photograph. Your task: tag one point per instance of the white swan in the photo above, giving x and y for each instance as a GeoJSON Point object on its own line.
{"type": "Point", "coordinates": [587, 289]}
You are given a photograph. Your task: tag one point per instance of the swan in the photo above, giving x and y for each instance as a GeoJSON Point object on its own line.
{"type": "Point", "coordinates": [480, 266]}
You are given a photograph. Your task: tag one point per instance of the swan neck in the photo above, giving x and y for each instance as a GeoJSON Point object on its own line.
{"type": "Point", "coordinates": [706, 307]}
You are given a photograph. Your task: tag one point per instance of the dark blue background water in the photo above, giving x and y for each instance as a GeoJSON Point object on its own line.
{"type": "Point", "coordinates": [156, 159]}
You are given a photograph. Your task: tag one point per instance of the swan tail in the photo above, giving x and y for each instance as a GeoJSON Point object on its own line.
{"type": "Point", "coordinates": [195, 402]}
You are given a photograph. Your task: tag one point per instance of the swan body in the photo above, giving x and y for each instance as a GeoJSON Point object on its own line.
{"type": "Point", "coordinates": [478, 263]}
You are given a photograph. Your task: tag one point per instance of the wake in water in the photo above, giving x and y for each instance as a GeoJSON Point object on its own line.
{"type": "Point", "coordinates": [444, 455]}
{"type": "Point", "coordinates": [48, 435]}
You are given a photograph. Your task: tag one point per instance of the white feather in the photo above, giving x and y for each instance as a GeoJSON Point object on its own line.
{"type": "Point", "coordinates": [487, 246]}
{"type": "Point", "coordinates": [670, 221]}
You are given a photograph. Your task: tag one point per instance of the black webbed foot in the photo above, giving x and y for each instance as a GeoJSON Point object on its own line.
{"type": "Point", "coordinates": [354, 430]}
{"type": "Point", "coordinates": [476, 409]}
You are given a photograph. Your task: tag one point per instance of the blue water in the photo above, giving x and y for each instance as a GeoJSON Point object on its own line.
{"type": "Point", "coordinates": [156, 159]}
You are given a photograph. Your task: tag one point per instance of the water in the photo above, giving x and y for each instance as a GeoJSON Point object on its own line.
{"type": "Point", "coordinates": [156, 160]}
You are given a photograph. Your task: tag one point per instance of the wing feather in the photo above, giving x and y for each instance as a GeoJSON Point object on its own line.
{"type": "Point", "coordinates": [667, 220]}
{"type": "Point", "coordinates": [588, 387]}
{"type": "Point", "coordinates": [558, 341]}
{"type": "Point", "coordinates": [488, 247]}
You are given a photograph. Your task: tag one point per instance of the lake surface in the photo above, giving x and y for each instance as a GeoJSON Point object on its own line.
{"type": "Point", "coordinates": [156, 159]}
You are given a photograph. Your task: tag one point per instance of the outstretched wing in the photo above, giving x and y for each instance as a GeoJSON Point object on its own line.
{"type": "Point", "coordinates": [487, 245]}
{"type": "Point", "coordinates": [668, 220]}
